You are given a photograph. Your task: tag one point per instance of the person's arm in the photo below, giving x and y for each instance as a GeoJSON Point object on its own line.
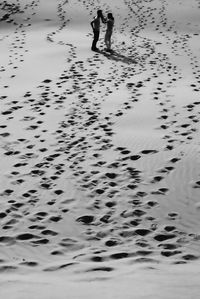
{"type": "Point", "coordinates": [92, 24]}
{"type": "Point", "coordinates": [104, 20]}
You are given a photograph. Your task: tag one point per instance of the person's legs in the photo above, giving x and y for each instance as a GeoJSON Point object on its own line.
{"type": "Point", "coordinates": [109, 43]}
{"type": "Point", "coordinates": [95, 40]}
{"type": "Point", "coordinates": [108, 40]}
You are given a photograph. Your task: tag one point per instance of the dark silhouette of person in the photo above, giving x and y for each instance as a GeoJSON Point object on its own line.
{"type": "Point", "coordinates": [96, 24]}
{"type": "Point", "coordinates": [109, 30]}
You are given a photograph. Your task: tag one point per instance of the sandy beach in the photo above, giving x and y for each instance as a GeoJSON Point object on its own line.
{"type": "Point", "coordinates": [99, 151]}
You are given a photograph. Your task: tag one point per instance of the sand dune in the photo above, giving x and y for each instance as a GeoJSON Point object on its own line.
{"type": "Point", "coordinates": [99, 152]}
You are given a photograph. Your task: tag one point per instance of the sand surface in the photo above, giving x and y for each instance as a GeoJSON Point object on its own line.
{"type": "Point", "coordinates": [100, 176]}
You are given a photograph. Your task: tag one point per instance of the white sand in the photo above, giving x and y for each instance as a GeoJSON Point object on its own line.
{"type": "Point", "coordinates": [99, 180]}
{"type": "Point", "coordinates": [166, 283]}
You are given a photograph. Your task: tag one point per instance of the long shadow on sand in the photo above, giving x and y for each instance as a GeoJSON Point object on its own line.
{"type": "Point", "coordinates": [116, 56]}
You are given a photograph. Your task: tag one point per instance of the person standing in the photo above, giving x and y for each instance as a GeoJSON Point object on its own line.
{"type": "Point", "coordinates": [110, 24]}
{"type": "Point", "coordinates": [96, 24]}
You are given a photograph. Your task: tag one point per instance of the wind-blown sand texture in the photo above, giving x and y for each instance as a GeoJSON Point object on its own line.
{"type": "Point", "coordinates": [100, 177]}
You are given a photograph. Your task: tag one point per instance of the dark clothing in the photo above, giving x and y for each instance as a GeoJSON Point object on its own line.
{"type": "Point", "coordinates": [95, 40]}
{"type": "Point", "coordinates": [109, 31]}
{"type": "Point", "coordinates": [110, 24]}
{"type": "Point", "coordinates": [96, 23]}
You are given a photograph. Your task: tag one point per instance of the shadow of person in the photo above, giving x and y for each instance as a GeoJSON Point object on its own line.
{"type": "Point", "coordinates": [116, 56]}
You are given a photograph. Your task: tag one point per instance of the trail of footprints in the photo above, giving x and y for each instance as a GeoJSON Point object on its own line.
{"type": "Point", "coordinates": [17, 40]}
{"type": "Point", "coordinates": [117, 219]}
